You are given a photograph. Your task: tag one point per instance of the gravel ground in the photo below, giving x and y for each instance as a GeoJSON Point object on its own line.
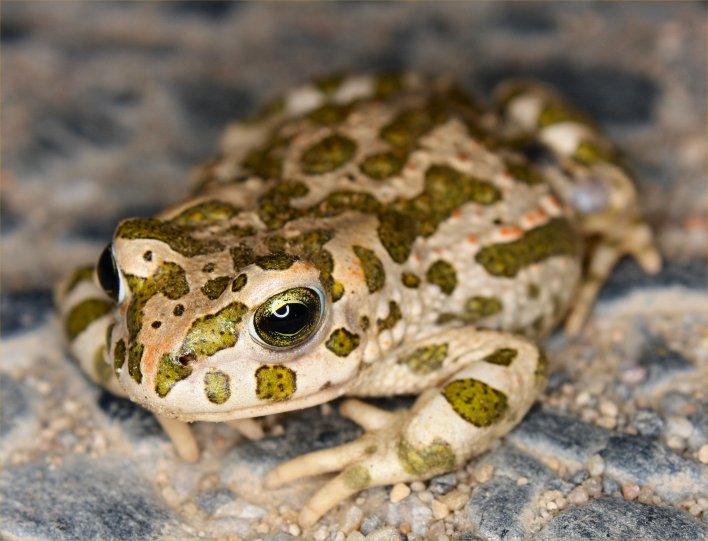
{"type": "Point", "coordinates": [108, 107]}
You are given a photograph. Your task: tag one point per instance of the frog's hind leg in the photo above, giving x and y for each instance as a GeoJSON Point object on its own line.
{"type": "Point", "coordinates": [585, 170]}
{"type": "Point", "coordinates": [479, 385]}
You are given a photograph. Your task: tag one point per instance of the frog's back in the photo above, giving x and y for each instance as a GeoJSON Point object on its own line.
{"type": "Point", "coordinates": [418, 177]}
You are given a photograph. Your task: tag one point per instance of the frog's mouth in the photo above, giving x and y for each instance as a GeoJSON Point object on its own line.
{"type": "Point", "coordinates": [259, 410]}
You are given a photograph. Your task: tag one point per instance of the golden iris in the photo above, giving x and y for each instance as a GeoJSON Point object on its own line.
{"type": "Point", "coordinates": [288, 318]}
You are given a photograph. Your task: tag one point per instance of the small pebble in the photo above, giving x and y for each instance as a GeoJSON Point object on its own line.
{"type": "Point", "coordinates": [440, 510]}
{"type": "Point", "coordinates": [583, 399]}
{"type": "Point", "coordinates": [294, 530]}
{"type": "Point", "coordinates": [676, 443]}
{"type": "Point", "coordinates": [552, 506]}
{"type": "Point", "coordinates": [593, 486]}
{"type": "Point", "coordinates": [630, 492]}
{"type": "Point", "coordinates": [607, 422]}
{"type": "Point", "coordinates": [678, 426]}
{"type": "Point", "coordinates": [352, 519]}
{"type": "Point", "coordinates": [484, 473]}
{"type": "Point", "coordinates": [596, 465]}
{"type": "Point", "coordinates": [417, 486]}
{"type": "Point", "coordinates": [634, 375]}
{"type": "Point", "coordinates": [384, 534]}
{"type": "Point", "coordinates": [356, 536]}
{"type": "Point", "coordinates": [695, 510]}
{"type": "Point", "coordinates": [648, 423]}
{"type": "Point", "coordinates": [521, 481]}
{"type": "Point", "coordinates": [400, 491]}
{"type": "Point", "coordinates": [426, 496]}
{"type": "Point", "coordinates": [561, 502]}
{"type": "Point", "coordinates": [608, 408]}
{"type": "Point", "coordinates": [437, 531]}
{"type": "Point", "coordinates": [610, 486]}
{"type": "Point", "coordinates": [578, 496]}
{"type": "Point", "coordinates": [455, 499]}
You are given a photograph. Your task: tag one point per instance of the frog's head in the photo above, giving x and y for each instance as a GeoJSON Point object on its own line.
{"type": "Point", "coordinates": [212, 327]}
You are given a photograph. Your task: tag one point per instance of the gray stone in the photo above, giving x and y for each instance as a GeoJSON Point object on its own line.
{"type": "Point", "coordinates": [663, 365]}
{"type": "Point", "coordinates": [680, 404]}
{"type": "Point", "coordinates": [628, 277]}
{"type": "Point", "coordinates": [544, 433]}
{"type": "Point", "coordinates": [497, 507]}
{"type": "Point", "coordinates": [14, 404]}
{"type": "Point", "coordinates": [210, 500]}
{"type": "Point", "coordinates": [369, 524]}
{"type": "Point", "coordinates": [610, 486]}
{"type": "Point", "coordinates": [83, 498]}
{"type": "Point", "coordinates": [648, 423]}
{"type": "Point", "coordinates": [635, 459]}
{"type": "Point", "coordinates": [22, 311]}
{"type": "Point", "coordinates": [514, 463]}
{"type": "Point", "coordinates": [442, 484]}
{"type": "Point", "coordinates": [699, 436]}
{"type": "Point", "coordinates": [615, 518]}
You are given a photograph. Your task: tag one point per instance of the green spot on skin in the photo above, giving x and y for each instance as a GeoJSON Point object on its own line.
{"type": "Point", "coordinates": [557, 237]}
{"type": "Point", "coordinates": [214, 332]}
{"type": "Point", "coordinates": [503, 356]}
{"type": "Point", "coordinates": [382, 165]}
{"type": "Point", "coordinates": [410, 280]}
{"type": "Point", "coordinates": [479, 307]}
{"type": "Point", "coordinates": [205, 214]}
{"type": "Point", "coordinates": [241, 230]}
{"type": "Point", "coordinates": [169, 372]}
{"type": "Point", "coordinates": [357, 477]}
{"type": "Point", "coordinates": [364, 322]}
{"type": "Point", "coordinates": [328, 85]}
{"type": "Point", "coordinates": [100, 367]}
{"type": "Point", "coordinates": [242, 256]}
{"type": "Point", "coordinates": [83, 314]}
{"type": "Point", "coordinates": [437, 457]}
{"type": "Point", "coordinates": [408, 126]}
{"type": "Point", "coordinates": [239, 283]}
{"type": "Point", "coordinates": [393, 317]}
{"type": "Point", "coordinates": [342, 342]}
{"type": "Point", "coordinates": [557, 112]}
{"type": "Point", "coordinates": [170, 280]}
{"type": "Point", "coordinates": [119, 355]}
{"type": "Point", "coordinates": [337, 291]}
{"type": "Point", "coordinates": [388, 84]}
{"type": "Point", "coordinates": [327, 155]}
{"type": "Point", "coordinates": [266, 161]}
{"type": "Point", "coordinates": [275, 383]}
{"type": "Point", "coordinates": [475, 401]}
{"type": "Point", "coordinates": [274, 206]}
{"type": "Point", "coordinates": [525, 173]}
{"type": "Point", "coordinates": [135, 354]}
{"type": "Point", "coordinates": [330, 114]}
{"type": "Point", "coordinates": [442, 274]}
{"type": "Point", "coordinates": [374, 272]}
{"type": "Point", "coordinates": [426, 359]}
{"type": "Point", "coordinates": [177, 237]}
{"type": "Point", "coordinates": [589, 154]}
{"type": "Point", "coordinates": [541, 372]}
{"type": "Point", "coordinates": [533, 291]}
{"type": "Point", "coordinates": [214, 288]}
{"type": "Point", "coordinates": [217, 386]}
{"type": "Point", "coordinates": [276, 261]}
{"type": "Point", "coordinates": [82, 274]}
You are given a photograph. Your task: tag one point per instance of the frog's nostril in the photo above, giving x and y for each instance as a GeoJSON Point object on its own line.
{"type": "Point", "coordinates": [187, 359]}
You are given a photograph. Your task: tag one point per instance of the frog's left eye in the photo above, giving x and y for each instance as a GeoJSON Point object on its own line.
{"type": "Point", "coordinates": [108, 273]}
{"type": "Point", "coordinates": [288, 318]}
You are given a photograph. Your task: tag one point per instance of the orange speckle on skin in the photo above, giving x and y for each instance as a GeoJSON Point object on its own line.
{"type": "Point", "coordinates": [472, 239]}
{"type": "Point", "coordinates": [510, 231]}
{"type": "Point", "coordinates": [456, 213]}
{"type": "Point", "coordinates": [463, 156]}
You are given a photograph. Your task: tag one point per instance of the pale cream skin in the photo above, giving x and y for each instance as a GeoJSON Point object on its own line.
{"type": "Point", "coordinates": [490, 259]}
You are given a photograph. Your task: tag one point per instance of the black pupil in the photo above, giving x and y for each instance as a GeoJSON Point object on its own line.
{"type": "Point", "coordinates": [289, 319]}
{"type": "Point", "coordinates": [107, 273]}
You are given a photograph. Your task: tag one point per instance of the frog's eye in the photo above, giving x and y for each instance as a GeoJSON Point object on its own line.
{"type": "Point", "coordinates": [288, 318]}
{"type": "Point", "coordinates": [108, 273]}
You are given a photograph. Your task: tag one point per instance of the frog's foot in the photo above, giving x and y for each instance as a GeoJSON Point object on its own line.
{"type": "Point", "coordinates": [619, 239]}
{"type": "Point", "coordinates": [368, 461]}
{"type": "Point", "coordinates": [249, 428]}
{"type": "Point", "coordinates": [182, 437]}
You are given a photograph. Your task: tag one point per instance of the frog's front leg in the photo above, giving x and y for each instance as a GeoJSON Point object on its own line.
{"type": "Point", "coordinates": [481, 383]}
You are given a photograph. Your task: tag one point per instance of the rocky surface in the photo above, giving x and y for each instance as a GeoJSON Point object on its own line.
{"type": "Point", "coordinates": [106, 109]}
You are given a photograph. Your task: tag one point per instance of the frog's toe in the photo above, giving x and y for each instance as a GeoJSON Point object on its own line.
{"type": "Point", "coordinates": [317, 462]}
{"type": "Point", "coordinates": [365, 415]}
